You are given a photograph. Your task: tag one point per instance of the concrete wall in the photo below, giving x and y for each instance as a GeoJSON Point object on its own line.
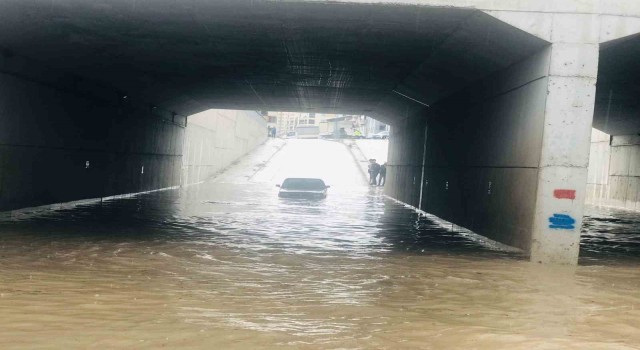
{"type": "Point", "coordinates": [614, 171]}
{"type": "Point", "coordinates": [404, 162]}
{"type": "Point", "coordinates": [598, 174]}
{"type": "Point", "coordinates": [64, 139]}
{"type": "Point", "coordinates": [48, 133]}
{"type": "Point", "coordinates": [483, 149]}
{"type": "Point", "coordinates": [216, 138]}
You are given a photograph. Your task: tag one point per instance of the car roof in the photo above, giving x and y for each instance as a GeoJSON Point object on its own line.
{"type": "Point", "coordinates": [303, 183]}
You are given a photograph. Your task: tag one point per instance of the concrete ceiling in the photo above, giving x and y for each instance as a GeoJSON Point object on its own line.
{"type": "Point", "coordinates": [618, 89]}
{"type": "Point", "coordinates": [190, 55]}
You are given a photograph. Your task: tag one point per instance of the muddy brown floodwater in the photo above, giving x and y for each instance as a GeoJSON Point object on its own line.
{"type": "Point", "coordinates": [228, 265]}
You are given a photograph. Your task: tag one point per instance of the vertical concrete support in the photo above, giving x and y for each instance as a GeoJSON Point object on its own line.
{"type": "Point", "coordinates": [564, 158]}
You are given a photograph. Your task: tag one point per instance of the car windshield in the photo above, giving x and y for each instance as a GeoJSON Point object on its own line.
{"type": "Point", "coordinates": [304, 184]}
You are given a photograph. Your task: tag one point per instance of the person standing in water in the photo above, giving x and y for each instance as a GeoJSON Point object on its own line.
{"type": "Point", "coordinates": [374, 170]}
{"type": "Point", "coordinates": [383, 174]}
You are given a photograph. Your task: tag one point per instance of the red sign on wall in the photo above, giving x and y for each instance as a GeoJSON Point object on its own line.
{"type": "Point", "coordinates": [565, 194]}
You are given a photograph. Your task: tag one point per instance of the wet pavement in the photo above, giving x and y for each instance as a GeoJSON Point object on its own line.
{"type": "Point", "coordinates": [227, 264]}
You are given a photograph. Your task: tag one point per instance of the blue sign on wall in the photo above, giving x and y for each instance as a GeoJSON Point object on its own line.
{"type": "Point", "coordinates": [562, 222]}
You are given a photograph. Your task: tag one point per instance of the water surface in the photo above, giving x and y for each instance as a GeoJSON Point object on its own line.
{"type": "Point", "coordinates": [227, 264]}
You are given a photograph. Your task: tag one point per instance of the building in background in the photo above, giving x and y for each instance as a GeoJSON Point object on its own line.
{"type": "Point", "coordinates": [336, 125]}
{"type": "Point", "coordinates": [271, 120]}
{"type": "Point", "coordinates": [340, 125]}
{"type": "Point", "coordinates": [286, 122]}
{"type": "Point", "coordinates": [374, 126]}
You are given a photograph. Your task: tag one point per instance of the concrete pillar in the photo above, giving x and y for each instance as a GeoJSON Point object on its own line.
{"type": "Point", "coordinates": [564, 158]}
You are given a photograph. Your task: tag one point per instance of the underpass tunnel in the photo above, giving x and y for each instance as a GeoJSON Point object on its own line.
{"type": "Point", "coordinates": [614, 167]}
{"type": "Point", "coordinates": [475, 154]}
{"type": "Point", "coordinates": [95, 99]}
{"type": "Point", "coordinates": [142, 203]}
{"type": "Point", "coordinates": [506, 155]}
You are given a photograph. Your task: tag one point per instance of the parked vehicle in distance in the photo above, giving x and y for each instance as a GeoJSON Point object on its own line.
{"type": "Point", "coordinates": [308, 188]}
{"type": "Point", "coordinates": [381, 135]}
{"type": "Point", "coordinates": [342, 133]}
{"type": "Point", "coordinates": [307, 131]}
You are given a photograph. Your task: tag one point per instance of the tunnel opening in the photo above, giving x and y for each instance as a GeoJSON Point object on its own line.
{"type": "Point", "coordinates": [616, 135]}
{"type": "Point", "coordinates": [612, 186]}
{"type": "Point", "coordinates": [613, 170]}
{"type": "Point", "coordinates": [112, 117]}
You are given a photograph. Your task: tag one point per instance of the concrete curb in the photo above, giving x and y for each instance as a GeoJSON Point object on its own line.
{"type": "Point", "coordinates": [25, 213]}
{"type": "Point", "coordinates": [264, 164]}
{"type": "Point", "coordinates": [482, 240]}
{"type": "Point", "coordinates": [350, 145]}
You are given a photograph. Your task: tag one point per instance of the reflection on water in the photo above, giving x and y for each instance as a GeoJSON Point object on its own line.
{"type": "Point", "coordinates": [230, 265]}
{"type": "Point", "coordinates": [611, 235]}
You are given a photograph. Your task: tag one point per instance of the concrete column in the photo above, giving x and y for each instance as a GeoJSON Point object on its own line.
{"type": "Point", "coordinates": [564, 158]}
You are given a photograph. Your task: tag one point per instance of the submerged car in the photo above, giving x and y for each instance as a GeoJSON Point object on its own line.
{"type": "Point", "coordinates": [303, 188]}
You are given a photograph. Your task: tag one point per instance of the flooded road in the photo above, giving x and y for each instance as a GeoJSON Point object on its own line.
{"type": "Point", "coordinates": [228, 265]}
